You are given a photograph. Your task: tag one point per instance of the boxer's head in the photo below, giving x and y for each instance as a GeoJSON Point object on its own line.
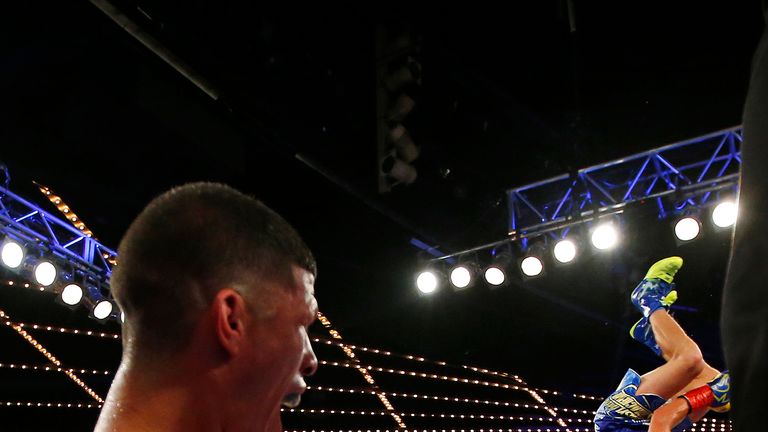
{"type": "Point", "coordinates": [208, 262]}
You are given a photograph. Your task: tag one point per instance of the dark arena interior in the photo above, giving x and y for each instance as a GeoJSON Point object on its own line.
{"type": "Point", "coordinates": [396, 138]}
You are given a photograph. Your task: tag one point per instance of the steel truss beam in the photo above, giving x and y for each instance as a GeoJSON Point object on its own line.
{"type": "Point", "coordinates": [43, 232]}
{"type": "Point", "coordinates": [691, 169]}
{"type": "Point", "coordinates": [676, 176]}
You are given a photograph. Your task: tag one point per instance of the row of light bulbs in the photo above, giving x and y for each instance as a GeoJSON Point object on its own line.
{"type": "Point", "coordinates": [605, 236]}
{"type": "Point", "coordinates": [45, 274]}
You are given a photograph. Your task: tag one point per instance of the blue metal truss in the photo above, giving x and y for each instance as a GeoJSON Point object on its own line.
{"type": "Point", "coordinates": [45, 233]}
{"type": "Point", "coordinates": [686, 173]}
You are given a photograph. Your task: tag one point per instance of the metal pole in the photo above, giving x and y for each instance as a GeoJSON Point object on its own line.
{"type": "Point", "coordinates": [156, 47]}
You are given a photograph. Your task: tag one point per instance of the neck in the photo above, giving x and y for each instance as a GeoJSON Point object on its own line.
{"type": "Point", "coordinates": [140, 400]}
{"type": "Point", "coordinates": [173, 398]}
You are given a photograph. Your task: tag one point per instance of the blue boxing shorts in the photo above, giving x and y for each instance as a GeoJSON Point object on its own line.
{"type": "Point", "coordinates": [625, 411]}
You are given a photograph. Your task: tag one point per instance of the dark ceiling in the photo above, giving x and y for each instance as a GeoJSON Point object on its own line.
{"type": "Point", "coordinates": [508, 95]}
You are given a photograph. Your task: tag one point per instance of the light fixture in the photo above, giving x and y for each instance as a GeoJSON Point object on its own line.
{"type": "Point", "coordinates": [12, 254]}
{"type": "Point", "coordinates": [687, 228]}
{"type": "Point", "coordinates": [400, 107]}
{"type": "Point", "coordinates": [495, 274]}
{"type": "Point", "coordinates": [463, 275]}
{"type": "Point", "coordinates": [564, 251]}
{"type": "Point", "coordinates": [407, 72]}
{"type": "Point", "coordinates": [398, 170]}
{"type": "Point", "coordinates": [605, 236]}
{"type": "Point", "coordinates": [102, 309]}
{"type": "Point", "coordinates": [427, 281]}
{"type": "Point", "coordinates": [405, 149]}
{"type": "Point", "coordinates": [531, 266]}
{"type": "Point", "coordinates": [72, 294]}
{"type": "Point", "coordinates": [45, 273]}
{"type": "Point", "coordinates": [725, 214]}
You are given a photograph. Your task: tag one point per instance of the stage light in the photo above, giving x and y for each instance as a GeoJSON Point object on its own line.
{"type": "Point", "coordinates": [461, 276]}
{"type": "Point", "coordinates": [12, 254]}
{"type": "Point", "coordinates": [427, 282]}
{"type": "Point", "coordinates": [605, 236]}
{"type": "Point", "coordinates": [72, 294]}
{"type": "Point", "coordinates": [687, 228]}
{"type": "Point", "coordinates": [531, 266]}
{"type": "Point", "coordinates": [402, 105]}
{"type": "Point", "coordinates": [102, 309]}
{"type": "Point", "coordinates": [405, 149]}
{"type": "Point", "coordinates": [398, 170]}
{"type": "Point", "coordinates": [494, 275]}
{"type": "Point", "coordinates": [725, 214]}
{"type": "Point", "coordinates": [564, 251]}
{"type": "Point", "coordinates": [45, 273]}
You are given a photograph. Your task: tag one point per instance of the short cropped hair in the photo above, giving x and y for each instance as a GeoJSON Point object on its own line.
{"type": "Point", "coordinates": [187, 245]}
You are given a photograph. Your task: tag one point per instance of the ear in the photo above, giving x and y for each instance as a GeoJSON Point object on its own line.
{"type": "Point", "coordinates": [229, 313]}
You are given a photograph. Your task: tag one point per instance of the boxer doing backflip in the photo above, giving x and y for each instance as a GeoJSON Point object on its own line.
{"type": "Point", "coordinates": [682, 390]}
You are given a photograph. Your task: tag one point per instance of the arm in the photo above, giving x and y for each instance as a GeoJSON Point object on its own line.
{"type": "Point", "coordinates": [672, 413]}
{"type": "Point", "coordinates": [669, 415]}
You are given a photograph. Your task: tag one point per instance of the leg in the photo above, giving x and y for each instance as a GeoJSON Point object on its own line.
{"type": "Point", "coordinates": [685, 367]}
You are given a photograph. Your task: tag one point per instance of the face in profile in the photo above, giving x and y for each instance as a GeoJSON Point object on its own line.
{"type": "Point", "coordinates": [280, 348]}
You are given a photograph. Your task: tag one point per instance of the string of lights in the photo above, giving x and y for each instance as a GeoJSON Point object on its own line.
{"type": "Point", "coordinates": [540, 400]}
{"type": "Point", "coordinates": [332, 389]}
{"type": "Point", "coordinates": [63, 330]}
{"type": "Point", "coordinates": [49, 404]}
{"type": "Point", "coordinates": [114, 336]}
{"type": "Point", "coordinates": [524, 387]}
{"type": "Point", "coordinates": [363, 371]}
{"type": "Point", "coordinates": [713, 424]}
{"type": "Point", "coordinates": [431, 415]}
{"type": "Point", "coordinates": [455, 430]}
{"type": "Point", "coordinates": [415, 358]}
{"type": "Point", "coordinates": [328, 342]}
{"type": "Point", "coordinates": [24, 284]}
{"type": "Point", "coordinates": [453, 379]}
{"type": "Point", "coordinates": [52, 369]}
{"type": "Point", "coordinates": [449, 399]}
{"type": "Point", "coordinates": [32, 341]}
{"type": "Point", "coordinates": [694, 429]}
{"type": "Point", "coordinates": [64, 209]}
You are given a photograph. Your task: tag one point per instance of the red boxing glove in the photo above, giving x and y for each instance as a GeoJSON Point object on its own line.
{"type": "Point", "coordinates": [700, 397]}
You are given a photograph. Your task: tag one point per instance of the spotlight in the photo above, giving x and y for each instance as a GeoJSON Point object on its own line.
{"type": "Point", "coordinates": [72, 294]}
{"type": "Point", "coordinates": [426, 282]}
{"type": "Point", "coordinates": [398, 170]}
{"type": "Point", "coordinates": [12, 254]}
{"type": "Point", "coordinates": [461, 276]}
{"type": "Point", "coordinates": [494, 275]}
{"type": "Point", "coordinates": [405, 149]}
{"type": "Point", "coordinates": [687, 228]}
{"type": "Point", "coordinates": [531, 266]}
{"type": "Point", "coordinates": [605, 236]}
{"type": "Point", "coordinates": [564, 251]}
{"type": "Point", "coordinates": [45, 273]}
{"type": "Point", "coordinates": [725, 214]}
{"type": "Point", "coordinates": [102, 310]}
